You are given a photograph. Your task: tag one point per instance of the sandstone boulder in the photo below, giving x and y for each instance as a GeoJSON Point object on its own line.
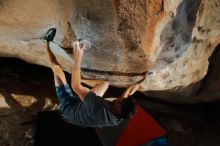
{"type": "Point", "coordinates": [171, 39]}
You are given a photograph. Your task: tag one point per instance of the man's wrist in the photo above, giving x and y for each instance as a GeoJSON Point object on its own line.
{"type": "Point", "coordinates": [77, 61]}
{"type": "Point", "coordinates": [77, 64]}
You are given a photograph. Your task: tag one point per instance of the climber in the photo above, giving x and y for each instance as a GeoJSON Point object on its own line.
{"type": "Point", "coordinates": [84, 106]}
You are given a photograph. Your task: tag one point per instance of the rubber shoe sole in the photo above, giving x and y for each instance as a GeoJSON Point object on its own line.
{"type": "Point", "coordinates": [50, 34]}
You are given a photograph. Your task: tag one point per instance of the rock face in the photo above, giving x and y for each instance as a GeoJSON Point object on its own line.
{"type": "Point", "coordinates": [171, 39]}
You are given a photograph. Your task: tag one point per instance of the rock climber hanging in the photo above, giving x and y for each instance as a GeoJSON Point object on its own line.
{"type": "Point", "coordinates": [84, 106]}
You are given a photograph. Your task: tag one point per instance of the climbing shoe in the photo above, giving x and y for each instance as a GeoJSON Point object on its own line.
{"type": "Point", "coordinates": [49, 36]}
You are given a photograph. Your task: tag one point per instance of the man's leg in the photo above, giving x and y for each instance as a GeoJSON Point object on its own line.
{"type": "Point", "coordinates": [59, 76]}
{"type": "Point", "coordinates": [63, 90]}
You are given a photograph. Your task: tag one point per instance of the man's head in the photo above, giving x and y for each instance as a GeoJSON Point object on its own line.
{"type": "Point", "coordinates": [124, 107]}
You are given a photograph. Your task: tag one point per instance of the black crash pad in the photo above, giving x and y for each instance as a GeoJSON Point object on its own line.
{"type": "Point", "coordinates": [52, 129]}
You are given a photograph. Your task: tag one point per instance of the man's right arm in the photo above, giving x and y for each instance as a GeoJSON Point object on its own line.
{"type": "Point", "coordinates": [133, 88]}
{"type": "Point", "coordinates": [130, 90]}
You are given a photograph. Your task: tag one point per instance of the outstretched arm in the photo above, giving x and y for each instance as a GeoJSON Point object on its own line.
{"type": "Point", "coordinates": [133, 88]}
{"type": "Point", "coordinates": [76, 85]}
{"type": "Point", "coordinates": [130, 90]}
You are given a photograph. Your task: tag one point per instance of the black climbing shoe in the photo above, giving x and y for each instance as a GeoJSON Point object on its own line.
{"type": "Point", "coordinates": [49, 36]}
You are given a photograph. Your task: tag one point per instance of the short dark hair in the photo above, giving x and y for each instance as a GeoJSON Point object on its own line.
{"type": "Point", "coordinates": [128, 108]}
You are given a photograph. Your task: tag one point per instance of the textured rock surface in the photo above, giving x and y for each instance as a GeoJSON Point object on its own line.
{"type": "Point", "coordinates": [172, 39]}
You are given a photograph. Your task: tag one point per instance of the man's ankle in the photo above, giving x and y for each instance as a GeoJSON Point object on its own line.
{"type": "Point", "coordinates": [47, 45]}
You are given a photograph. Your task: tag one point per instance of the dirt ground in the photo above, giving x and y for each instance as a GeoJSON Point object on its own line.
{"type": "Point", "coordinates": [26, 89]}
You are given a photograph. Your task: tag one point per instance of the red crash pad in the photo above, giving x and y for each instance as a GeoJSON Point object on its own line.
{"type": "Point", "coordinates": [140, 129]}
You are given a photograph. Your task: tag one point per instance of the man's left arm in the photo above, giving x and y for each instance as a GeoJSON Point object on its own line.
{"type": "Point", "coordinates": [76, 85]}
